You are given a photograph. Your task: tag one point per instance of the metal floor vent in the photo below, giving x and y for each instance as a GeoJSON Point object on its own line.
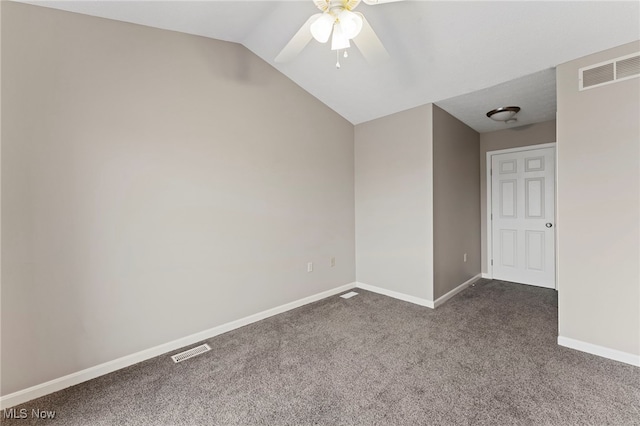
{"type": "Point", "coordinates": [349, 295]}
{"type": "Point", "coordinates": [182, 356]}
{"type": "Point", "coordinates": [619, 69]}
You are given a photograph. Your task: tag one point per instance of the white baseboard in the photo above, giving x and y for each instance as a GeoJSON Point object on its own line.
{"type": "Point", "coordinates": [418, 300]}
{"type": "Point", "coordinates": [602, 351]}
{"type": "Point", "coordinates": [486, 275]}
{"type": "Point", "coordinates": [440, 300]}
{"type": "Point", "coordinates": [55, 385]}
{"type": "Point", "coordinates": [396, 295]}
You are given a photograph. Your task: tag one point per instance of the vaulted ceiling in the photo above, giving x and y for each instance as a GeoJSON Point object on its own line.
{"type": "Point", "coordinates": [467, 57]}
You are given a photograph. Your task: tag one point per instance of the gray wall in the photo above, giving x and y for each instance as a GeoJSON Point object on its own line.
{"type": "Point", "coordinates": [599, 207]}
{"type": "Point", "coordinates": [155, 184]}
{"type": "Point", "coordinates": [532, 134]}
{"type": "Point", "coordinates": [456, 202]}
{"type": "Point", "coordinates": [394, 210]}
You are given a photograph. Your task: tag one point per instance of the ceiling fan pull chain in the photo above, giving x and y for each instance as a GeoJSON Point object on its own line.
{"type": "Point", "coordinates": [337, 59]}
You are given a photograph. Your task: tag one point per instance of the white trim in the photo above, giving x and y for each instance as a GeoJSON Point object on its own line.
{"type": "Point", "coordinates": [522, 148]}
{"type": "Point", "coordinates": [602, 351]}
{"type": "Point", "coordinates": [55, 385]}
{"type": "Point", "coordinates": [489, 205]}
{"type": "Point", "coordinates": [396, 295]}
{"type": "Point", "coordinates": [557, 205]}
{"type": "Point", "coordinates": [440, 300]}
{"type": "Point", "coordinates": [489, 200]}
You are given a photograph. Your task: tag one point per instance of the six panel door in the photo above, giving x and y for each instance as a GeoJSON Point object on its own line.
{"type": "Point", "coordinates": [523, 216]}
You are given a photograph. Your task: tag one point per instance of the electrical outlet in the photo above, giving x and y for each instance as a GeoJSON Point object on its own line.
{"type": "Point", "coordinates": [310, 267]}
{"type": "Point", "coordinates": [464, 257]}
{"type": "Point", "coordinates": [332, 262]}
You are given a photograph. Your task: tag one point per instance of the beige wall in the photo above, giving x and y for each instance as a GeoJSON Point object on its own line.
{"type": "Point", "coordinates": [456, 202]}
{"type": "Point", "coordinates": [394, 235]}
{"type": "Point", "coordinates": [154, 185]}
{"type": "Point", "coordinates": [599, 207]}
{"type": "Point", "coordinates": [532, 134]}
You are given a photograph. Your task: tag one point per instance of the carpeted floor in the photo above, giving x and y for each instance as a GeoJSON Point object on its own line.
{"type": "Point", "coordinates": [488, 356]}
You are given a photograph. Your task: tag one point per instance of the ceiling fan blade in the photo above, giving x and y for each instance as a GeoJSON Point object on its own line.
{"type": "Point", "coordinates": [299, 41]}
{"type": "Point", "coordinates": [374, 2]}
{"type": "Point", "coordinates": [369, 44]}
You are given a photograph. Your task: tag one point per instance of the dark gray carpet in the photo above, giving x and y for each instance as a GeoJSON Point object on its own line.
{"type": "Point", "coordinates": [488, 356]}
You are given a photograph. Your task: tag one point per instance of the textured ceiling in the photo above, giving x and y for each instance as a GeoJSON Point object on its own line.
{"type": "Point", "coordinates": [534, 93]}
{"type": "Point", "coordinates": [467, 57]}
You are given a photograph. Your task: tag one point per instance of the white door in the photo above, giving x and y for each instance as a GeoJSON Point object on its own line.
{"type": "Point", "coordinates": [523, 216]}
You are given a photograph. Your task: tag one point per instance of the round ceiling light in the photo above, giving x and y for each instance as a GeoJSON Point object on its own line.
{"type": "Point", "coordinates": [505, 114]}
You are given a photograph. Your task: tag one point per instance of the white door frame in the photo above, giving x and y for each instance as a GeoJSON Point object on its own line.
{"type": "Point", "coordinates": [488, 198]}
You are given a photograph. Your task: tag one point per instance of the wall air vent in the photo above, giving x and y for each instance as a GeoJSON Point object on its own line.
{"type": "Point", "coordinates": [182, 356]}
{"type": "Point", "coordinates": [613, 71]}
{"type": "Point", "coordinates": [629, 67]}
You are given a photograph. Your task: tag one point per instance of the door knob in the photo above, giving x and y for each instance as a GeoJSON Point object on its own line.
{"type": "Point", "coordinates": [549, 225]}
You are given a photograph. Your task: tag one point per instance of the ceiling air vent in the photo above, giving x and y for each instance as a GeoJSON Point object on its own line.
{"type": "Point", "coordinates": [619, 69]}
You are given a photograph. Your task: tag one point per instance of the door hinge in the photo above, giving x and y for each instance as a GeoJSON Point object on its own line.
{"type": "Point", "coordinates": [490, 172]}
{"type": "Point", "coordinates": [491, 262]}
{"type": "Point", "coordinates": [491, 216]}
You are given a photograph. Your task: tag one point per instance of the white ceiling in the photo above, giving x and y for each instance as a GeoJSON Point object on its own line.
{"type": "Point", "coordinates": [467, 57]}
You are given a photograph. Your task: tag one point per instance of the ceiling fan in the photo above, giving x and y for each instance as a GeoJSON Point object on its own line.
{"type": "Point", "coordinates": [342, 24]}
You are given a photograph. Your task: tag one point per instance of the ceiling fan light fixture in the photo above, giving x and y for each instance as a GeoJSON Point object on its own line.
{"type": "Point", "coordinates": [338, 17]}
{"type": "Point", "coordinates": [505, 114]}
{"type": "Point", "coordinates": [339, 41]}
{"type": "Point", "coordinates": [321, 28]}
{"type": "Point", "coordinates": [350, 23]}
